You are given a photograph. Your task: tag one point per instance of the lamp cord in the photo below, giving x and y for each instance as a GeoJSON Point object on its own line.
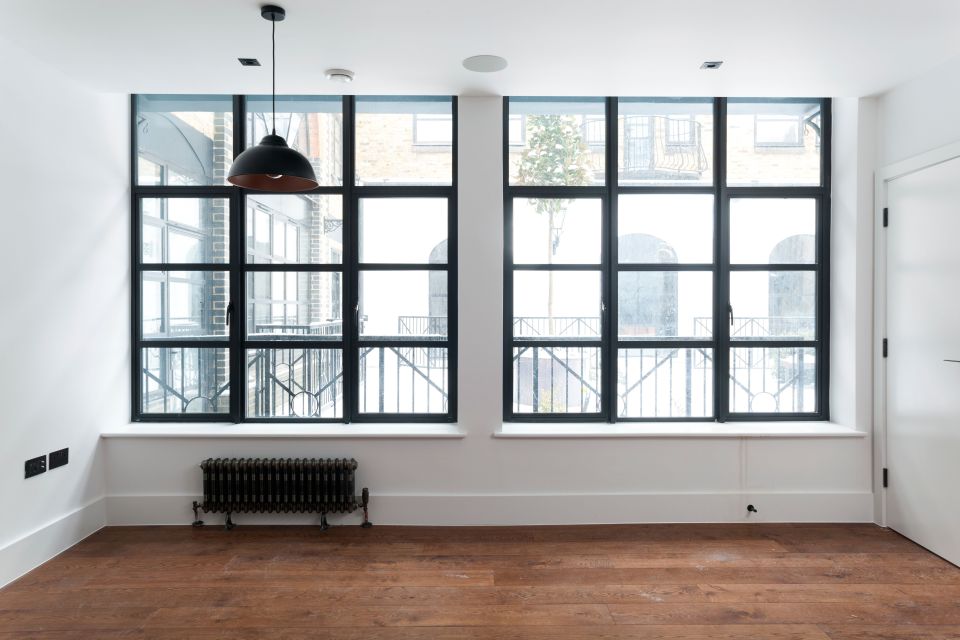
{"type": "Point", "coordinates": [273, 89]}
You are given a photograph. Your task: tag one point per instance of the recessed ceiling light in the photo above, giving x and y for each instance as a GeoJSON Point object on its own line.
{"type": "Point", "coordinates": [339, 75]}
{"type": "Point", "coordinates": [485, 63]}
{"type": "Point", "coordinates": [711, 64]}
{"type": "Point", "coordinates": [249, 62]}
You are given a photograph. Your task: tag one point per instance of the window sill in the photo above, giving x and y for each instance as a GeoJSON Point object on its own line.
{"type": "Point", "coordinates": [678, 430]}
{"type": "Point", "coordinates": [279, 430]}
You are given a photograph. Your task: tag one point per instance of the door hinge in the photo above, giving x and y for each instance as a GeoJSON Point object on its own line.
{"type": "Point", "coordinates": [886, 217]}
{"type": "Point", "coordinates": [884, 347]}
{"type": "Point", "coordinates": [886, 478]}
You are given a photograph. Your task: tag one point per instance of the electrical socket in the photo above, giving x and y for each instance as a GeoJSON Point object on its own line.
{"type": "Point", "coordinates": [59, 458]}
{"type": "Point", "coordinates": [34, 466]}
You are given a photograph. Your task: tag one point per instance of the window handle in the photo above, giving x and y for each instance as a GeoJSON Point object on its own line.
{"type": "Point", "coordinates": [229, 313]}
{"type": "Point", "coordinates": [730, 313]}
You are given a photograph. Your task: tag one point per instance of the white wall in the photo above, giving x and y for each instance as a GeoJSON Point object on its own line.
{"type": "Point", "coordinates": [480, 479]}
{"type": "Point", "coordinates": [64, 323]}
{"type": "Point", "coordinates": [911, 119]}
{"type": "Point", "coordinates": [919, 115]}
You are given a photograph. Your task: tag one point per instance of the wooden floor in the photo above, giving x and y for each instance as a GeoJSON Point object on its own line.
{"type": "Point", "coordinates": [725, 582]}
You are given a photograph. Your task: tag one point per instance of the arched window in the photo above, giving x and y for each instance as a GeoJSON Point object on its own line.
{"type": "Point", "coordinates": [648, 300]}
{"type": "Point", "coordinates": [792, 294]}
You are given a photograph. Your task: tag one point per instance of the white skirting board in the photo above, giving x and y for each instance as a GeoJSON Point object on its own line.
{"type": "Point", "coordinates": [34, 548]}
{"type": "Point", "coordinates": [491, 510]}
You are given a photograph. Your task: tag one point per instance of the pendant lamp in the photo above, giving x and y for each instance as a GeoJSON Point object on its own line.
{"type": "Point", "coordinates": [272, 165]}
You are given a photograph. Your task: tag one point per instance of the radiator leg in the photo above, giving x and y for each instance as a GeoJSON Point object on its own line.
{"type": "Point", "coordinates": [364, 500]}
{"type": "Point", "coordinates": [323, 521]}
{"type": "Point", "coordinates": [197, 522]}
{"type": "Point", "coordinates": [228, 525]}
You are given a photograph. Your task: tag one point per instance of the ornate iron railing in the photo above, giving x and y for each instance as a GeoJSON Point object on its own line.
{"type": "Point", "coordinates": [295, 382]}
{"type": "Point", "coordinates": [650, 382]}
{"type": "Point", "coordinates": [662, 147]}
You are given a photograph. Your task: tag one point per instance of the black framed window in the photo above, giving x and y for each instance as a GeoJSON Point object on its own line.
{"type": "Point", "coordinates": [672, 268]}
{"type": "Point", "coordinates": [333, 305]}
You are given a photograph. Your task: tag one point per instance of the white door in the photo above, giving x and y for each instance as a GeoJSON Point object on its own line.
{"type": "Point", "coordinates": [923, 329]}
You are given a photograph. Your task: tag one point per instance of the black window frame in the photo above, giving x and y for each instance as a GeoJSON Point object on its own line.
{"type": "Point", "coordinates": [721, 268]}
{"type": "Point", "coordinates": [236, 341]}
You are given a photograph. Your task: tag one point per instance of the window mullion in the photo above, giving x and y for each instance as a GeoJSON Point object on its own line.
{"type": "Point", "coordinates": [238, 279]}
{"type": "Point", "coordinates": [721, 325]}
{"type": "Point", "coordinates": [237, 328]}
{"type": "Point", "coordinates": [824, 208]}
{"type": "Point", "coordinates": [136, 402]}
{"type": "Point", "coordinates": [609, 259]}
{"type": "Point", "coordinates": [349, 260]}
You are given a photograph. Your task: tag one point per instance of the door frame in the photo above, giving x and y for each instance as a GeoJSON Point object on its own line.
{"type": "Point", "coordinates": [882, 179]}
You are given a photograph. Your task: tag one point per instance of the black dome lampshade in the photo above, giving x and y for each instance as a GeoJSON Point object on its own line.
{"type": "Point", "coordinates": [272, 165]}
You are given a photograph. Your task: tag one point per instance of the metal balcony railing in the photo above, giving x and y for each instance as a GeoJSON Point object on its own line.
{"type": "Point", "coordinates": [295, 382]}
{"type": "Point", "coordinates": [661, 382]}
{"type": "Point", "coordinates": [661, 147]}
{"type": "Point", "coordinates": [328, 328]}
{"type": "Point", "coordinates": [556, 327]}
{"type": "Point", "coordinates": [422, 325]}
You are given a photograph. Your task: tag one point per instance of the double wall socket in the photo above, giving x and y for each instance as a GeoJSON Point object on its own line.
{"type": "Point", "coordinates": [34, 466]}
{"type": "Point", "coordinates": [38, 465]}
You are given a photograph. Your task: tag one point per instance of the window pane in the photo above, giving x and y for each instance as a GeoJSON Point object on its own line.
{"type": "Point", "coordinates": [517, 131]}
{"type": "Point", "coordinates": [294, 383]}
{"type": "Point", "coordinates": [184, 304]}
{"type": "Point", "coordinates": [296, 228]}
{"type": "Point", "coordinates": [665, 383]}
{"type": "Point", "coordinates": [773, 142]}
{"type": "Point", "coordinates": [403, 380]}
{"type": "Point", "coordinates": [665, 228]}
{"type": "Point", "coordinates": [664, 141]}
{"type": "Point", "coordinates": [433, 129]}
{"type": "Point", "coordinates": [185, 230]}
{"type": "Point", "coordinates": [773, 380]}
{"type": "Point", "coordinates": [665, 304]}
{"type": "Point", "coordinates": [556, 304]}
{"type": "Point", "coordinates": [555, 231]}
{"type": "Point", "coordinates": [403, 304]}
{"type": "Point", "coordinates": [312, 125]}
{"type": "Point", "coordinates": [773, 231]}
{"type": "Point", "coordinates": [185, 380]}
{"type": "Point", "coordinates": [294, 305]}
{"type": "Point", "coordinates": [779, 305]}
{"type": "Point", "coordinates": [388, 151]}
{"type": "Point", "coordinates": [564, 141]}
{"type": "Point", "coordinates": [556, 379]}
{"type": "Point", "coordinates": [184, 140]}
{"type": "Point", "coordinates": [406, 230]}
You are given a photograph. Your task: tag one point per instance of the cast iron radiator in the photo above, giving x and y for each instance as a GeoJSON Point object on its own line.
{"type": "Point", "coordinates": [280, 485]}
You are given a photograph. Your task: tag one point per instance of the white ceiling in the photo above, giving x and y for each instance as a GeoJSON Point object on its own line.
{"type": "Point", "coordinates": [554, 47]}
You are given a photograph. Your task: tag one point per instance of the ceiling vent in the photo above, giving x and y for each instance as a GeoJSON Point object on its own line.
{"type": "Point", "coordinates": [344, 76]}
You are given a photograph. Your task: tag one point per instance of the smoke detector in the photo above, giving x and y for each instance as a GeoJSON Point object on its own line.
{"type": "Point", "coordinates": [344, 76]}
{"type": "Point", "coordinates": [485, 63]}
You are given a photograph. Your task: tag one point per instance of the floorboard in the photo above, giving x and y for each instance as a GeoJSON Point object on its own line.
{"type": "Point", "coordinates": [674, 582]}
